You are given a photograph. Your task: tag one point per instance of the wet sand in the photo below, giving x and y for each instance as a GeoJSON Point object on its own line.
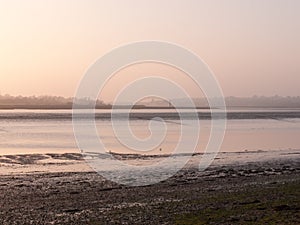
{"type": "Point", "coordinates": [259, 192]}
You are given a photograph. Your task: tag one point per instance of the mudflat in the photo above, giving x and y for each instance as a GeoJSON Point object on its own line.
{"type": "Point", "coordinates": [265, 192]}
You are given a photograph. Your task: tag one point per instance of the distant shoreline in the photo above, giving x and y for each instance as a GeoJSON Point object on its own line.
{"type": "Point", "coordinates": [59, 102]}
{"type": "Point", "coordinates": [68, 107]}
{"type": "Point", "coordinates": [105, 107]}
{"type": "Point", "coordinates": [274, 115]}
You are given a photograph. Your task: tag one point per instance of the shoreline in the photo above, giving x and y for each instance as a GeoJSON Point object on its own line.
{"type": "Point", "coordinates": [257, 193]}
{"type": "Point", "coordinates": [56, 188]}
{"type": "Point", "coordinates": [248, 115]}
{"type": "Point", "coordinates": [75, 159]}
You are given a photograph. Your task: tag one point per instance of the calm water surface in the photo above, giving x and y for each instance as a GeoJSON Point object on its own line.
{"type": "Point", "coordinates": [25, 131]}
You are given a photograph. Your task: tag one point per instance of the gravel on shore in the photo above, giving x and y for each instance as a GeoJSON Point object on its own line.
{"type": "Point", "coordinates": [256, 193]}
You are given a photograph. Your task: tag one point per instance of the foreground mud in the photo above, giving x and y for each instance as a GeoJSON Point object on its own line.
{"type": "Point", "coordinates": [261, 193]}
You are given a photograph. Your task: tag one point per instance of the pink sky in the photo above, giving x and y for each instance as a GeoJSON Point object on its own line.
{"type": "Point", "coordinates": [252, 46]}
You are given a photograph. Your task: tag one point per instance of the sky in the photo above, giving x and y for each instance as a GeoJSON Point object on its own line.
{"type": "Point", "coordinates": [252, 46]}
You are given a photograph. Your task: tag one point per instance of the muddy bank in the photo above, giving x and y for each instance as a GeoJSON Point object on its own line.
{"type": "Point", "coordinates": [254, 193]}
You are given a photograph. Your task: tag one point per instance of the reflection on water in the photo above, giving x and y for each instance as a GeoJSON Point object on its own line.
{"type": "Point", "coordinates": [23, 135]}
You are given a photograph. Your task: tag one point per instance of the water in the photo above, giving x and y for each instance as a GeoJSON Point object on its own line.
{"type": "Point", "coordinates": [51, 131]}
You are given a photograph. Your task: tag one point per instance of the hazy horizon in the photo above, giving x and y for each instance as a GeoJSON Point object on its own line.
{"type": "Point", "coordinates": [53, 95]}
{"type": "Point", "coordinates": [57, 102]}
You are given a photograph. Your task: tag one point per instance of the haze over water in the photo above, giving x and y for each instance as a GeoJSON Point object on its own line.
{"type": "Point", "coordinates": [22, 132]}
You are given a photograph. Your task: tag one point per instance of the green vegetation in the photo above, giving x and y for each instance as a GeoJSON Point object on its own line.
{"type": "Point", "coordinates": [278, 204]}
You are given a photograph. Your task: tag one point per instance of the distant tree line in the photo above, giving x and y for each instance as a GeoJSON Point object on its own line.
{"type": "Point", "coordinates": [255, 101]}
{"type": "Point", "coordinates": [58, 102]}
{"type": "Point", "coordinates": [262, 101]}
{"type": "Point", "coordinates": [45, 101]}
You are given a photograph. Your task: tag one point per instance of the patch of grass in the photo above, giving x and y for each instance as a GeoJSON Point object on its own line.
{"type": "Point", "coordinates": [276, 204]}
